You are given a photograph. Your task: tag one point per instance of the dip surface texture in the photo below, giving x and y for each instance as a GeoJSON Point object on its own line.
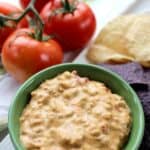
{"type": "Point", "coordinates": [70, 112]}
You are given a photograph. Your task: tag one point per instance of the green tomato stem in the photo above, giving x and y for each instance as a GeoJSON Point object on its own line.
{"type": "Point", "coordinates": [68, 8]}
{"type": "Point", "coordinates": [40, 24]}
{"type": "Point", "coordinates": [67, 5]}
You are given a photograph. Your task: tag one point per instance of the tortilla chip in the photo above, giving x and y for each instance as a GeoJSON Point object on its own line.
{"type": "Point", "coordinates": [126, 38]}
{"type": "Point", "coordinates": [100, 54]}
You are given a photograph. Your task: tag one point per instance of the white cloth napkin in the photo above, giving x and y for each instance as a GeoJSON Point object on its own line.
{"type": "Point", "coordinates": [105, 10]}
{"type": "Point", "coordinates": [8, 88]}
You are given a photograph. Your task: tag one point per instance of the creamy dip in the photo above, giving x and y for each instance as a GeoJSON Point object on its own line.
{"type": "Point", "coordinates": [70, 112]}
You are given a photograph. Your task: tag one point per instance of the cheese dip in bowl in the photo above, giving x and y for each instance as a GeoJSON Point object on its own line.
{"type": "Point", "coordinates": [70, 111]}
{"type": "Point", "coordinates": [76, 107]}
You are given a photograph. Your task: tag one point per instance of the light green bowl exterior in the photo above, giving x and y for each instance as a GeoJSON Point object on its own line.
{"type": "Point", "coordinates": [112, 80]}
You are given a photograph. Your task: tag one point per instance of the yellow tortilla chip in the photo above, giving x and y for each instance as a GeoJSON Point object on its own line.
{"type": "Point", "coordinates": [102, 54]}
{"type": "Point", "coordinates": [126, 38]}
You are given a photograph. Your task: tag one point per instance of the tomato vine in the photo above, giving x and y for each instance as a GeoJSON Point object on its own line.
{"type": "Point", "coordinates": [39, 22]}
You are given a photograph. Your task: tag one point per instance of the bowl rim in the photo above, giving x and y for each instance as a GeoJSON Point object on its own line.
{"type": "Point", "coordinates": [138, 141]}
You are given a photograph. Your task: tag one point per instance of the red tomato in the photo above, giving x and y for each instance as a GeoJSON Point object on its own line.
{"type": "Point", "coordinates": [23, 56]}
{"type": "Point", "coordinates": [23, 23]}
{"type": "Point", "coordinates": [38, 5]}
{"type": "Point", "coordinates": [72, 29]}
{"type": "Point", "coordinates": [8, 9]}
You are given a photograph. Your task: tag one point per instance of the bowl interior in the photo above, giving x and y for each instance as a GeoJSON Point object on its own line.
{"type": "Point", "coordinates": [113, 81]}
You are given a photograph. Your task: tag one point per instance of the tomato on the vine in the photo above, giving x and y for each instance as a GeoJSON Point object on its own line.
{"type": "Point", "coordinates": [38, 5]}
{"type": "Point", "coordinates": [7, 29]}
{"type": "Point", "coordinates": [23, 55]}
{"type": "Point", "coordinates": [72, 24]}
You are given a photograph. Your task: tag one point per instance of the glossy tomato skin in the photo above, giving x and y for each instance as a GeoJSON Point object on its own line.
{"type": "Point", "coordinates": [72, 30]}
{"type": "Point", "coordinates": [23, 56]}
{"type": "Point", "coordinates": [23, 23]}
{"type": "Point", "coordinates": [8, 9]}
{"type": "Point", "coordinates": [38, 5]}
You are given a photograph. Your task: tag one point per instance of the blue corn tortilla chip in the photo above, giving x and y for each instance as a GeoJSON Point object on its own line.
{"type": "Point", "coordinates": [139, 78]}
{"type": "Point", "coordinates": [133, 73]}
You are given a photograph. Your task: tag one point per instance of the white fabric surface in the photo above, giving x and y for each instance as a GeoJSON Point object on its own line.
{"type": "Point", "coordinates": [8, 87]}
{"type": "Point", "coordinates": [105, 10]}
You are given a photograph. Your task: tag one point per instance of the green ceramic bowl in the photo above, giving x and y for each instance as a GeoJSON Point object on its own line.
{"type": "Point", "coordinates": [113, 81]}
